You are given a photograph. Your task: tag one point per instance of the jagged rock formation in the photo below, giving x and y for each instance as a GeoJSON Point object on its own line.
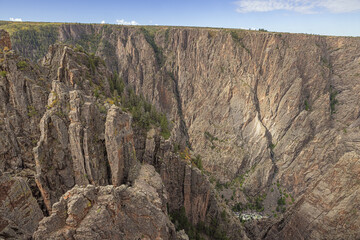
{"type": "Point", "coordinates": [282, 103]}
{"type": "Point", "coordinates": [71, 149]}
{"type": "Point", "coordinates": [19, 211]}
{"type": "Point", "coordinates": [83, 140]}
{"type": "Point", "coordinates": [119, 142]}
{"type": "Point", "coordinates": [285, 104]}
{"type": "Point", "coordinates": [188, 188]}
{"type": "Point", "coordinates": [109, 212]}
{"type": "Point", "coordinates": [277, 111]}
{"type": "Point", "coordinates": [23, 94]}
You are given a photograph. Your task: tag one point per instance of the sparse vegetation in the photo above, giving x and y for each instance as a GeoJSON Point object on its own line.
{"type": "Point", "coordinates": [32, 111]}
{"type": "Point", "coordinates": [326, 62]}
{"type": "Point", "coordinates": [32, 40]}
{"type": "Point", "coordinates": [180, 221]}
{"type": "Point", "coordinates": [255, 204]}
{"type": "Point", "coordinates": [236, 38]}
{"type": "Point", "coordinates": [176, 147]}
{"type": "Point", "coordinates": [211, 138]}
{"type": "Point", "coordinates": [3, 73]}
{"type": "Point", "coordinates": [197, 161]}
{"type": "Point", "coordinates": [144, 114]}
{"type": "Point", "coordinates": [22, 65]}
{"type": "Point", "coordinates": [93, 62]}
{"type": "Point", "coordinates": [150, 38]}
{"type": "Point", "coordinates": [272, 146]}
{"type": "Point", "coordinates": [87, 42]}
{"type": "Point", "coordinates": [54, 102]}
{"type": "Point", "coordinates": [306, 104]}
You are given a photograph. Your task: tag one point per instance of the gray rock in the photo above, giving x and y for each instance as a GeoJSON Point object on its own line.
{"type": "Point", "coordinates": [19, 211]}
{"type": "Point", "coordinates": [110, 212]}
{"type": "Point", "coordinates": [120, 146]}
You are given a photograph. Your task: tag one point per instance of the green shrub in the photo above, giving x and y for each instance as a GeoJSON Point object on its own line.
{"type": "Point", "coordinates": [32, 111]}
{"type": "Point", "coordinates": [144, 114]}
{"type": "Point", "coordinates": [3, 73]}
{"type": "Point", "coordinates": [255, 203]}
{"type": "Point", "coordinates": [93, 62]}
{"type": "Point", "coordinates": [281, 201]}
{"type": "Point", "coordinates": [176, 147]}
{"type": "Point", "coordinates": [272, 146]}
{"type": "Point", "coordinates": [307, 106]}
{"type": "Point", "coordinates": [22, 65]}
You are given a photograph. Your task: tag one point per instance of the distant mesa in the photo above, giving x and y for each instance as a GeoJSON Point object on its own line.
{"type": "Point", "coordinates": [5, 43]}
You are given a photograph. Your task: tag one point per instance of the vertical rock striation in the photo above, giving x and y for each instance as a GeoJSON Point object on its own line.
{"type": "Point", "coordinates": [120, 146]}
{"type": "Point", "coordinates": [19, 211]}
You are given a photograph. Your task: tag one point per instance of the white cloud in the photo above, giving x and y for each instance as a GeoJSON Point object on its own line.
{"type": "Point", "coordinates": [341, 6]}
{"type": "Point", "coordinates": [16, 19]}
{"type": "Point", "coordinates": [103, 22]}
{"type": "Point", "coordinates": [123, 22]}
{"type": "Point", "coordinates": [301, 6]}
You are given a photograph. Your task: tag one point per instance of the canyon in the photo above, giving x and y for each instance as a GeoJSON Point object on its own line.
{"type": "Point", "coordinates": [259, 122]}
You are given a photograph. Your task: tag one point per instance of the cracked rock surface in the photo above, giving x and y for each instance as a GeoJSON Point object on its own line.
{"type": "Point", "coordinates": [110, 212]}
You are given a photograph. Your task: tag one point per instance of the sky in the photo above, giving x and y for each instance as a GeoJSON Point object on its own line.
{"type": "Point", "coordinates": [325, 17]}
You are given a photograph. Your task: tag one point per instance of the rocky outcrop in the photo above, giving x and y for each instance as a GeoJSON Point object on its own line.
{"type": "Point", "coordinates": [54, 165]}
{"type": "Point", "coordinates": [330, 207]}
{"type": "Point", "coordinates": [23, 93]}
{"type": "Point", "coordinates": [275, 107]}
{"type": "Point", "coordinates": [5, 42]}
{"type": "Point", "coordinates": [120, 147]}
{"type": "Point", "coordinates": [19, 211]}
{"type": "Point", "coordinates": [278, 112]}
{"type": "Point", "coordinates": [81, 143]}
{"type": "Point", "coordinates": [282, 107]}
{"type": "Point", "coordinates": [71, 149]}
{"type": "Point", "coordinates": [109, 212]}
{"type": "Point", "coordinates": [86, 138]}
{"type": "Point", "coordinates": [189, 189]}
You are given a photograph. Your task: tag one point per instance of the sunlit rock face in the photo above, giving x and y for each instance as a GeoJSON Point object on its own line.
{"type": "Point", "coordinates": [271, 115]}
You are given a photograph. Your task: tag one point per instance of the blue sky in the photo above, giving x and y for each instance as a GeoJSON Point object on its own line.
{"type": "Point", "coordinates": [326, 17]}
